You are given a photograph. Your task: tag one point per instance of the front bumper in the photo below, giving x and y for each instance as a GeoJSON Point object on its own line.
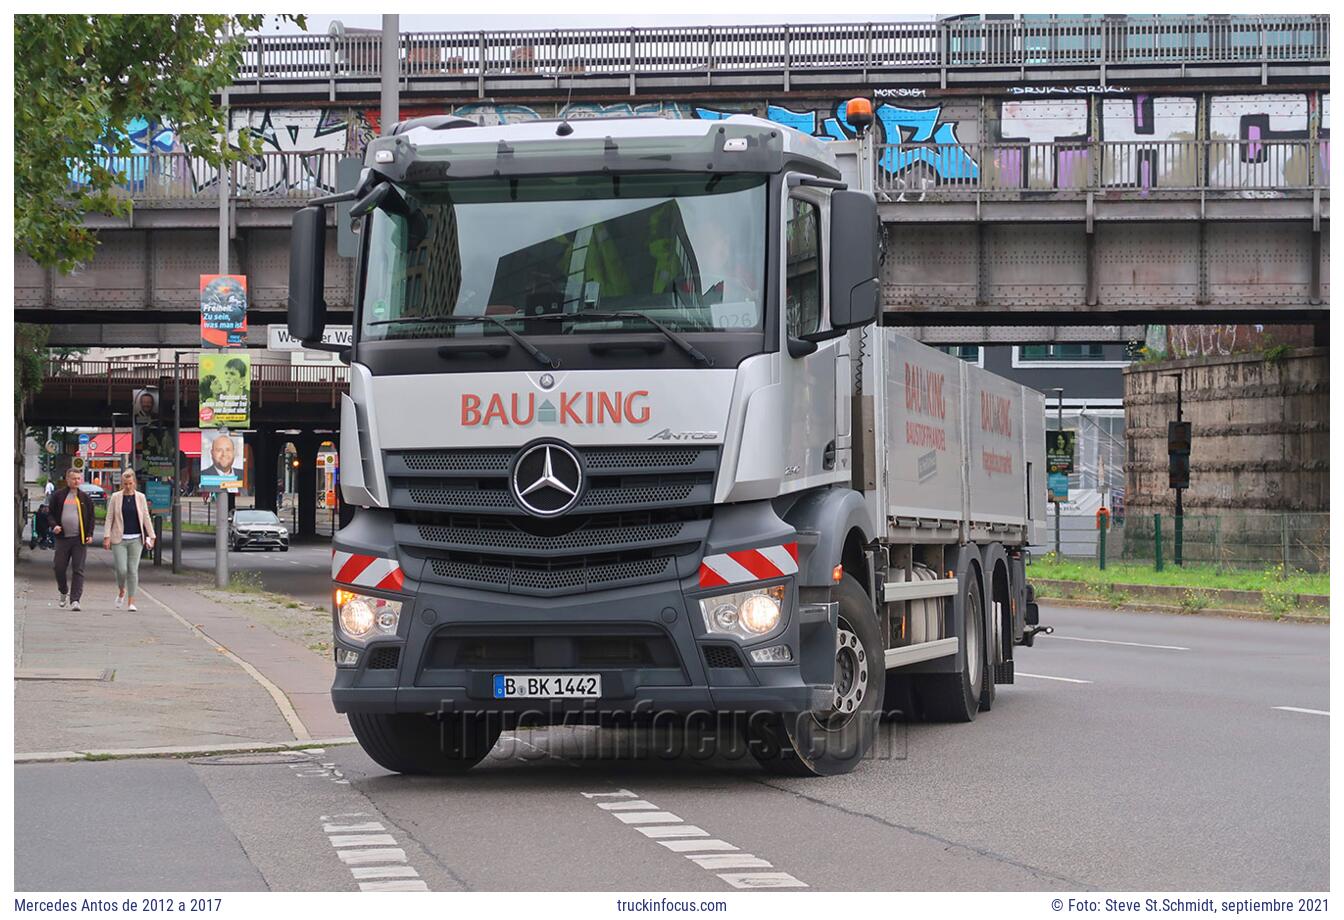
{"type": "Point", "coordinates": [262, 540]}
{"type": "Point", "coordinates": [648, 643]}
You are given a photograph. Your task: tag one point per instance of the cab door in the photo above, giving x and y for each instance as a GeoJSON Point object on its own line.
{"type": "Point", "coordinates": [812, 454]}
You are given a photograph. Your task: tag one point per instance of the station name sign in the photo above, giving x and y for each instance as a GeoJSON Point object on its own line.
{"type": "Point", "coordinates": [279, 339]}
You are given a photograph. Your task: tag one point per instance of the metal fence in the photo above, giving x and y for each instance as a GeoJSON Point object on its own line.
{"type": "Point", "coordinates": [1018, 42]}
{"type": "Point", "coordinates": [905, 172]}
{"type": "Point", "coordinates": [1247, 540]}
{"type": "Point", "coordinates": [171, 178]}
{"type": "Point", "coordinates": [1118, 168]}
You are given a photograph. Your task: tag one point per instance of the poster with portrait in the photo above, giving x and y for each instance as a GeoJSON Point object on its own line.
{"type": "Point", "coordinates": [224, 311]}
{"type": "Point", "coordinates": [225, 382]}
{"type": "Point", "coordinates": [145, 406]}
{"type": "Point", "coordinates": [221, 461]}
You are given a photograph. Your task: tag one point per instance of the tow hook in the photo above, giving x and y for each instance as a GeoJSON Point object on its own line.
{"type": "Point", "coordinates": [1029, 634]}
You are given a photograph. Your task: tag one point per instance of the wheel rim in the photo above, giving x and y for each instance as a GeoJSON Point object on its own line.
{"type": "Point", "coordinates": [851, 675]}
{"type": "Point", "coordinates": [974, 624]}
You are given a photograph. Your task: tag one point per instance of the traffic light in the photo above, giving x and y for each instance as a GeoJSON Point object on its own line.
{"type": "Point", "coordinates": [294, 463]}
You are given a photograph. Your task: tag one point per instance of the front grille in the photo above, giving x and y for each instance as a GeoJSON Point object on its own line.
{"type": "Point", "coordinates": [543, 646]}
{"type": "Point", "coordinates": [722, 656]}
{"type": "Point", "coordinates": [384, 658]}
{"type": "Point", "coordinates": [643, 516]}
{"type": "Point", "coordinates": [536, 579]}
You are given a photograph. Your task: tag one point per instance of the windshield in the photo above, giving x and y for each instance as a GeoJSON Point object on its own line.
{"type": "Point", "coordinates": [256, 517]}
{"type": "Point", "coordinates": [686, 250]}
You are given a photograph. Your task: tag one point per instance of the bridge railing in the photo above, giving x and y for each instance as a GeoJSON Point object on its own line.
{"type": "Point", "coordinates": [1037, 40]}
{"type": "Point", "coordinates": [77, 371]}
{"type": "Point", "coordinates": [173, 178]}
{"type": "Point", "coordinates": [1065, 168]}
{"type": "Point", "coordinates": [907, 172]}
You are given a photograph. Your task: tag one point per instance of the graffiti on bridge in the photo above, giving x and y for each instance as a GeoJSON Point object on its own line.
{"type": "Point", "coordinates": [1043, 144]}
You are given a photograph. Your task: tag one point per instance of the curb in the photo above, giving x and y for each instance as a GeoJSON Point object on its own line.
{"type": "Point", "coordinates": [1230, 613]}
{"type": "Point", "coordinates": [183, 751]}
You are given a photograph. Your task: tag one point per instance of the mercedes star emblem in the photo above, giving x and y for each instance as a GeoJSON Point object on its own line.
{"type": "Point", "coordinates": [547, 381]}
{"type": "Point", "coordinates": [546, 479]}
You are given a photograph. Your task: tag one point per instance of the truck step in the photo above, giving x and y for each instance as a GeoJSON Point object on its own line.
{"type": "Point", "coordinates": [1003, 673]}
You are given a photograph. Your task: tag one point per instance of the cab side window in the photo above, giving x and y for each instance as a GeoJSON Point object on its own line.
{"type": "Point", "coordinates": [802, 268]}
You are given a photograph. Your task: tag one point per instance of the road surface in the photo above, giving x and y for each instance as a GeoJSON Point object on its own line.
{"type": "Point", "coordinates": [1135, 752]}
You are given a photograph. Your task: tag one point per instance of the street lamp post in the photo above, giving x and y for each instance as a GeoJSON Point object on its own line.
{"type": "Point", "coordinates": [1059, 401]}
{"type": "Point", "coordinates": [177, 461]}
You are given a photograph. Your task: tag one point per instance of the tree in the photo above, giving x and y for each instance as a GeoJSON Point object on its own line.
{"type": "Point", "coordinates": [80, 82]}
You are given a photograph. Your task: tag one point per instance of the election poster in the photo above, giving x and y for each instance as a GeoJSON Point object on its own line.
{"type": "Point", "coordinates": [157, 452]}
{"type": "Point", "coordinates": [222, 461]}
{"type": "Point", "coordinates": [224, 311]}
{"type": "Point", "coordinates": [225, 382]}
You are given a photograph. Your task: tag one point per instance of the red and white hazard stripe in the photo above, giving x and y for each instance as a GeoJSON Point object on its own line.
{"type": "Point", "coordinates": [364, 571]}
{"type": "Point", "coordinates": [749, 565]}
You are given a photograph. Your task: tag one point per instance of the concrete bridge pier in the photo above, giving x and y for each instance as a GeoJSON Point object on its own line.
{"type": "Point", "coordinates": [265, 453]}
{"type": "Point", "coordinates": [305, 482]}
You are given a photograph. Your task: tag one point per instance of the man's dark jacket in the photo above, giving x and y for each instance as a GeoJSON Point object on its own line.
{"type": "Point", "coordinates": [85, 507]}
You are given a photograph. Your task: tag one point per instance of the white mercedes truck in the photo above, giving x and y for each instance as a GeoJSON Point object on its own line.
{"type": "Point", "coordinates": [626, 437]}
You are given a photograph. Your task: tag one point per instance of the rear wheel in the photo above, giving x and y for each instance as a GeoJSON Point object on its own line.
{"type": "Point", "coordinates": [956, 697]}
{"type": "Point", "coordinates": [417, 744]}
{"type": "Point", "coordinates": [833, 741]}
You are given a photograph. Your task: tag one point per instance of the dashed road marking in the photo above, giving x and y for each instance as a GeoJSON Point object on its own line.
{"type": "Point", "coordinates": [1310, 712]}
{"type": "Point", "coordinates": [371, 854]}
{"type": "Point", "coordinates": [321, 770]}
{"type": "Point", "coordinates": [694, 843]}
{"type": "Point", "coordinates": [1067, 680]}
{"type": "Point", "coordinates": [1174, 648]}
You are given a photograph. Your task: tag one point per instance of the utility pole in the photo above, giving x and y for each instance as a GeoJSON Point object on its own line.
{"type": "Point", "coordinates": [390, 112]}
{"type": "Point", "coordinates": [1180, 510]}
{"type": "Point", "coordinates": [177, 462]}
{"type": "Point", "coordinates": [221, 494]}
{"type": "Point", "coordinates": [1059, 399]}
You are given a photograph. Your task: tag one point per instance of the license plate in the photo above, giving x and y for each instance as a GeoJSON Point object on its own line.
{"type": "Point", "coordinates": [553, 686]}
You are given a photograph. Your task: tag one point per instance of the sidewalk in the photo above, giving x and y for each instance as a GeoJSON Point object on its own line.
{"type": "Point", "coordinates": [103, 679]}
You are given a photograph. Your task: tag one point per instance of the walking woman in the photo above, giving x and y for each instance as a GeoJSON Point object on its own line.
{"type": "Point", "coordinates": [128, 533]}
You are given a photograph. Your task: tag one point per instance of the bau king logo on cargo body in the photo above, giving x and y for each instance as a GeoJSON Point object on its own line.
{"type": "Point", "coordinates": [578, 407]}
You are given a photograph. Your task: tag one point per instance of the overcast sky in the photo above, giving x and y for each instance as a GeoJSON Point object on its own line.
{"type": "Point", "coordinates": [429, 22]}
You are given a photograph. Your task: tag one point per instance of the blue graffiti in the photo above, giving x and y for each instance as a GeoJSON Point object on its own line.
{"type": "Point", "coordinates": [943, 151]}
{"type": "Point", "coordinates": [144, 137]}
{"type": "Point", "coordinates": [914, 136]}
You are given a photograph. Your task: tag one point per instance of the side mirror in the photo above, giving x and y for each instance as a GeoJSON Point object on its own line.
{"type": "Point", "coordinates": [855, 289]}
{"type": "Point", "coordinates": [307, 264]}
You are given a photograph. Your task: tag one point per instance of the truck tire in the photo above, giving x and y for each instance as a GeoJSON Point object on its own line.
{"type": "Point", "coordinates": [835, 741]}
{"type": "Point", "coordinates": [956, 697]}
{"type": "Point", "coordinates": [416, 744]}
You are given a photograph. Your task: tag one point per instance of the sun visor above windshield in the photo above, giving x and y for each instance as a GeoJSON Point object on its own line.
{"type": "Point", "coordinates": [607, 146]}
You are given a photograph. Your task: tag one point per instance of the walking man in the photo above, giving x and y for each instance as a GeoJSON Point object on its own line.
{"type": "Point", "coordinates": [71, 517]}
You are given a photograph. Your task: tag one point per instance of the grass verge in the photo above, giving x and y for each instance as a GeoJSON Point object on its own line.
{"type": "Point", "coordinates": [1198, 578]}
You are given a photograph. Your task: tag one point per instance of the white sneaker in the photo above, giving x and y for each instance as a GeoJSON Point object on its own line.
{"type": "Point", "coordinates": [63, 600]}
{"type": "Point", "coordinates": [74, 605]}
{"type": "Point", "coordinates": [130, 607]}
{"type": "Point", "coordinates": [118, 601]}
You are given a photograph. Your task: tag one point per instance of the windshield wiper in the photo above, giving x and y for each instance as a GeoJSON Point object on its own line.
{"type": "Point", "coordinates": [675, 339]}
{"type": "Point", "coordinates": [523, 343]}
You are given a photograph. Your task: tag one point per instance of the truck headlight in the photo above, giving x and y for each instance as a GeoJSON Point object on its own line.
{"type": "Point", "coordinates": [744, 614]}
{"type": "Point", "coordinates": [362, 617]}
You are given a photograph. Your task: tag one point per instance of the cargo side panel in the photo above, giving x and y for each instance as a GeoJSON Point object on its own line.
{"type": "Point", "coordinates": [1033, 439]}
{"type": "Point", "coordinates": [924, 430]}
{"type": "Point", "coordinates": [997, 466]}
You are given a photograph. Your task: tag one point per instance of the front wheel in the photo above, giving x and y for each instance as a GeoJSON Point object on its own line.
{"type": "Point", "coordinates": [833, 741]}
{"type": "Point", "coordinates": [417, 744]}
